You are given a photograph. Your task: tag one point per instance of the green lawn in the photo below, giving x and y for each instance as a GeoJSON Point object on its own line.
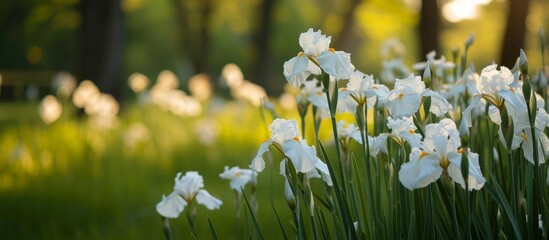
{"type": "Point", "coordinates": [72, 180]}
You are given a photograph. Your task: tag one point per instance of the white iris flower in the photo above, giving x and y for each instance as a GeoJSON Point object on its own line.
{"type": "Point", "coordinates": [439, 153]}
{"type": "Point", "coordinates": [187, 189]}
{"type": "Point", "coordinates": [286, 138]}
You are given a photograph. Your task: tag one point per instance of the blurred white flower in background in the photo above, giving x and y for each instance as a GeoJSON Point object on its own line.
{"type": "Point", "coordinates": [249, 92]}
{"type": "Point", "coordinates": [182, 105]}
{"type": "Point", "coordinates": [239, 177]}
{"type": "Point", "coordinates": [138, 82]}
{"type": "Point", "coordinates": [85, 93]}
{"type": "Point", "coordinates": [63, 84]}
{"type": "Point", "coordinates": [103, 110]}
{"type": "Point", "coordinates": [167, 80]}
{"type": "Point", "coordinates": [200, 87]}
{"type": "Point", "coordinates": [135, 134]}
{"type": "Point", "coordinates": [231, 76]}
{"type": "Point", "coordinates": [207, 131]}
{"type": "Point", "coordinates": [440, 65]}
{"type": "Point", "coordinates": [50, 109]}
{"type": "Point", "coordinates": [287, 101]}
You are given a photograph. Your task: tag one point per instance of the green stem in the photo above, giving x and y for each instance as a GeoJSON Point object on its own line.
{"type": "Point", "coordinates": [513, 190]}
{"type": "Point", "coordinates": [190, 217]}
{"type": "Point", "coordinates": [365, 149]}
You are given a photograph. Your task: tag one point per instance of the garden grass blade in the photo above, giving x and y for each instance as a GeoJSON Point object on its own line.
{"type": "Point", "coordinates": [365, 224]}
{"type": "Point", "coordinates": [340, 201]}
{"type": "Point", "coordinates": [212, 229]}
{"type": "Point", "coordinates": [485, 217]}
{"type": "Point", "coordinates": [529, 188]}
{"type": "Point", "coordinates": [412, 227]}
{"type": "Point", "coordinates": [497, 194]}
{"type": "Point", "coordinates": [254, 219]}
{"type": "Point", "coordinates": [278, 219]}
{"type": "Point", "coordinates": [323, 224]}
{"type": "Point", "coordinates": [351, 233]}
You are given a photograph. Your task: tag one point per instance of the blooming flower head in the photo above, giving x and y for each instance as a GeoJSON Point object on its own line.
{"type": "Point", "coordinates": [408, 95]}
{"type": "Point", "coordinates": [314, 43]}
{"type": "Point", "coordinates": [440, 65]}
{"type": "Point", "coordinates": [492, 81]}
{"type": "Point", "coordinates": [439, 153]}
{"type": "Point", "coordinates": [313, 92]}
{"type": "Point", "coordinates": [316, 57]}
{"type": "Point", "coordinates": [405, 98]}
{"type": "Point", "coordinates": [403, 129]}
{"type": "Point", "coordinates": [286, 138]}
{"type": "Point", "coordinates": [361, 89]}
{"type": "Point", "coordinates": [239, 177]}
{"type": "Point", "coordinates": [187, 189]}
{"type": "Point", "coordinates": [348, 130]}
{"type": "Point", "coordinates": [392, 69]}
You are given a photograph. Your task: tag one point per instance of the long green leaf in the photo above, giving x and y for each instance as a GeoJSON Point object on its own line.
{"type": "Point", "coordinates": [254, 219]}
{"type": "Point", "coordinates": [278, 219]}
{"type": "Point", "coordinates": [497, 194]}
{"type": "Point", "coordinates": [212, 229]}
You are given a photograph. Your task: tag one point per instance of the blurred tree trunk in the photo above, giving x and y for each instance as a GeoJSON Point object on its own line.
{"type": "Point", "coordinates": [343, 40]}
{"type": "Point", "coordinates": [262, 71]}
{"type": "Point", "coordinates": [429, 28]}
{"type": "Point", "coordinates": [194, 36]}
{"type": "Point", "coordinates": [102, 45]}
{"type": "Point", "coordinates": [515, 30]}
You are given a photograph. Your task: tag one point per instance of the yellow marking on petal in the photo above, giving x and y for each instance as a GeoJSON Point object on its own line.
{"type": "Point", "coordinates": [423, 154]}
{"type": "Point", "coordinates": [524, 136]}
{"type": "Point", "coordinates": [460, 151]}
{"type": "Point", "coordinates": [301, 54]}
{"type": "Point", "coordinates": [331, 50]}
{"type": "Point", "coordinates": [412, 131]}
{"type": "Point", "coordinates": [512, 90]}
{"type": "Point", "coordinates": [375, 87]}
{"type": "Point", "coordinates": [400, 96]}
{"type": "Point", "coordinates": [296, 139]}
{"type": "Point", "coordinates": [238, 174]}
{"type": "Point", "coordinates": [444, 163]}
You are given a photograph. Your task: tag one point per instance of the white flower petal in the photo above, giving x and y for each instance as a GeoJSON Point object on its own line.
{"type": "Point", "coordinates": [475, 180]}
{"type": "Point", "coordinates": [188, 184]}
{"type": "Point", "coordinates": [295, 70]}
{"type": "Point", "coordinates": [314, 43]}
{"type": "Point", "coordinates": [303, 157]}
{"type": "Point", "coordinates": [439, 105]}
{"type": "Point", "coordinates": [204, 198]}
{"type": "Point", "coordinates": [337, 64]}
{"type": "Point", "coordinates": [171, 206]}
{"type": "Point", "coordinates": [419, 171]}
{"type": "Point", "coordinates": [258, 164]}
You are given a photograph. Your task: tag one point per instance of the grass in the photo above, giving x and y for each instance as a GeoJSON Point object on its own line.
{"type": "Point", "coordinates": [71, 180]}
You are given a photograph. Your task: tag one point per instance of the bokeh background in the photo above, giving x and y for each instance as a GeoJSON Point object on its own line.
{"type": "Point", "coordinates": [109, 40]}
{"type": "Point", "coordinates": [72, 179]}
